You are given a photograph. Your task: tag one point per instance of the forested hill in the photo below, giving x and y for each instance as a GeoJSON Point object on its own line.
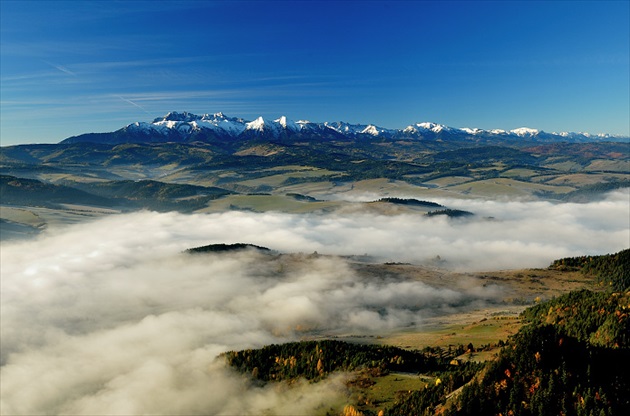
{"type": "Point", "coordinates": [544, 371]}
{"type": "Point", "coordinates": [220, 248]}
{"type": "Point", "coordinates": [314, 360]}
{"type": "Point", "coordinates": [571, 357]}
{"type": "Point", "coordinates": [611, 269]}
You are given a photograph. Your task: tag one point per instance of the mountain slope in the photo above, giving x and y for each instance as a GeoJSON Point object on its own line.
{"type": "Point", "coordinates": [21, 191]}
{"type": "Point", "coordinates": [187, 127]}
{"type": "Point", "coordinates": [126, 194]}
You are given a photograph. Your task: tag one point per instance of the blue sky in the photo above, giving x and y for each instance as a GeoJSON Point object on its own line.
{"type": "Point", "coordinates": [72, 67]}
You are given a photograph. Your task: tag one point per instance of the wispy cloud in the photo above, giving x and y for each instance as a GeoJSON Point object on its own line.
{"type": "Point", "coordinates": [133, 103]}
{"type": "Point", "coordinates": [61, 68]}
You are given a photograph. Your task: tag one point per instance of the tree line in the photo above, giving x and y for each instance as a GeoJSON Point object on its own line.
{"type": "Point", "coordinates": [611, 269]}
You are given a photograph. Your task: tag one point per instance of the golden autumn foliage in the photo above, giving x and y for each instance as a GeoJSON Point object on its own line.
{"type": "Point", "coordinates": [349, 410]}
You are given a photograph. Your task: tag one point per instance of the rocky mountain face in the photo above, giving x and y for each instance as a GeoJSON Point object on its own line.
{"type": "Point", "coordinates": [187, 127]}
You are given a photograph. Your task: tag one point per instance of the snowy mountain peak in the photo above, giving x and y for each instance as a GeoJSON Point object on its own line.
{"type": "Point", "coordinates": [371, 129]}
{"type": "Point", "coordinates": [473, 130]}
{"type": "Point", "coordinates": [525, 131]}
{"type": "Point", "coordinates": [427, 125]}
{"type": "Point", "coordinates": [282, 121]}
{"type": "Point", "coordinates": [175, 116]}
{"type": "Point", "coordinates": [358, 129]}
{"type": "Point", "coordinates": [258, 124]}
{"type": "Point", "coordinates": [186, 126]}
{"type": "Point", "coordinates": [288, 124]}
{"type": "Point", "coordinates": [424, 127]}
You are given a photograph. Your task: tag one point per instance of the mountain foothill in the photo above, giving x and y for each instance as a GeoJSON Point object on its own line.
{"type": "Point", "coordinates": [189, 162]}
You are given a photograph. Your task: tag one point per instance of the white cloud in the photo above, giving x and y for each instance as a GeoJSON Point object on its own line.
{"type": "Point", "coordinates": [110, 317]}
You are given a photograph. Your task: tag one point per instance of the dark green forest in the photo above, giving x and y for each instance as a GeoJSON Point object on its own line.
{"type": "Point", "coordinates": [611, 270]}
{"type": "Point", "coordinates": [126, 195]}
{"type": "Point", "coordinates": [411, 202]}
{"type": "Point", "coordinates": [572, 358]}
{"type": "Point", "coordinates": [21, 191]}
{"type": "Point", "coordinates": [221, 248]}
{"type": "Point", "coordinates": [315, 360]}
{"type": "Point", "coordinates": [451, 213]}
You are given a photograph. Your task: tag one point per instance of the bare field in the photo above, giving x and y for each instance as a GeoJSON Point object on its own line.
{"type": "Point", "coordinates": [377, 188]}
{"type": "Point", "coordinates": [449, 180]}
{"type": "Point", "coordinates": [520, 173]}
{"type": "Point", "coordinates": [21, 216]}
{"type": "Point", "coordinates": [260, 203]}
{"type": "Point", "coordinates": [610, 165]}
{"type": "Point", "coordinates": [277, 180]}
{"type": "Point", "coordinates": [314, 189]}
{"type": "Point", "coordinates": [581, 179]}
{"type": "Point", "coordinates": [506, 187]}
{"type": "Point", "coordinates": [564, 166]}
{"type": "Point", "coordinates": [41, 218]}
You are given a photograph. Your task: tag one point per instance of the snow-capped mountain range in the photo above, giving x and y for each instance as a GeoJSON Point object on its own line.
{"type": "Point", "coordinates": [187, 127]}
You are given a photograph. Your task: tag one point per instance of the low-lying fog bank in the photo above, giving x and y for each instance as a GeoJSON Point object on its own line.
{"type": "Point", "coordinates": [111, 317]}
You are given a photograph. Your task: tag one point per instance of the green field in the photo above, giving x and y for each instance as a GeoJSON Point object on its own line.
{"type": "Point", "coordinates": [387, 388]}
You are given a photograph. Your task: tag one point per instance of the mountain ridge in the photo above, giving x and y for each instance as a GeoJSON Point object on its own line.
{"type": "Point", "coordinates": [189, 127]}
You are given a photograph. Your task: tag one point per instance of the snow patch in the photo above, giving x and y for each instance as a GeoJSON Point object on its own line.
{"type": "Point", "coordinates": [525, 131]}
{"type": "Point", "coordinates": [185, 124]}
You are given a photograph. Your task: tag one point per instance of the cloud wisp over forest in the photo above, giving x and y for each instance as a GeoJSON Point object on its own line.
{"type": "Point", "coordinates": [112, 317]}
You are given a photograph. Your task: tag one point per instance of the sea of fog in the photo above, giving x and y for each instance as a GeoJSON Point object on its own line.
{"type": "Point", "coordinates": [111, 317]}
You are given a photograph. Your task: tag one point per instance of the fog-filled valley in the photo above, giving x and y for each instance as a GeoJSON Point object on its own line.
{"type": "Point", "coordinates": [319, 208]}
{"type": "Point", "coordinates": [113, 316]}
